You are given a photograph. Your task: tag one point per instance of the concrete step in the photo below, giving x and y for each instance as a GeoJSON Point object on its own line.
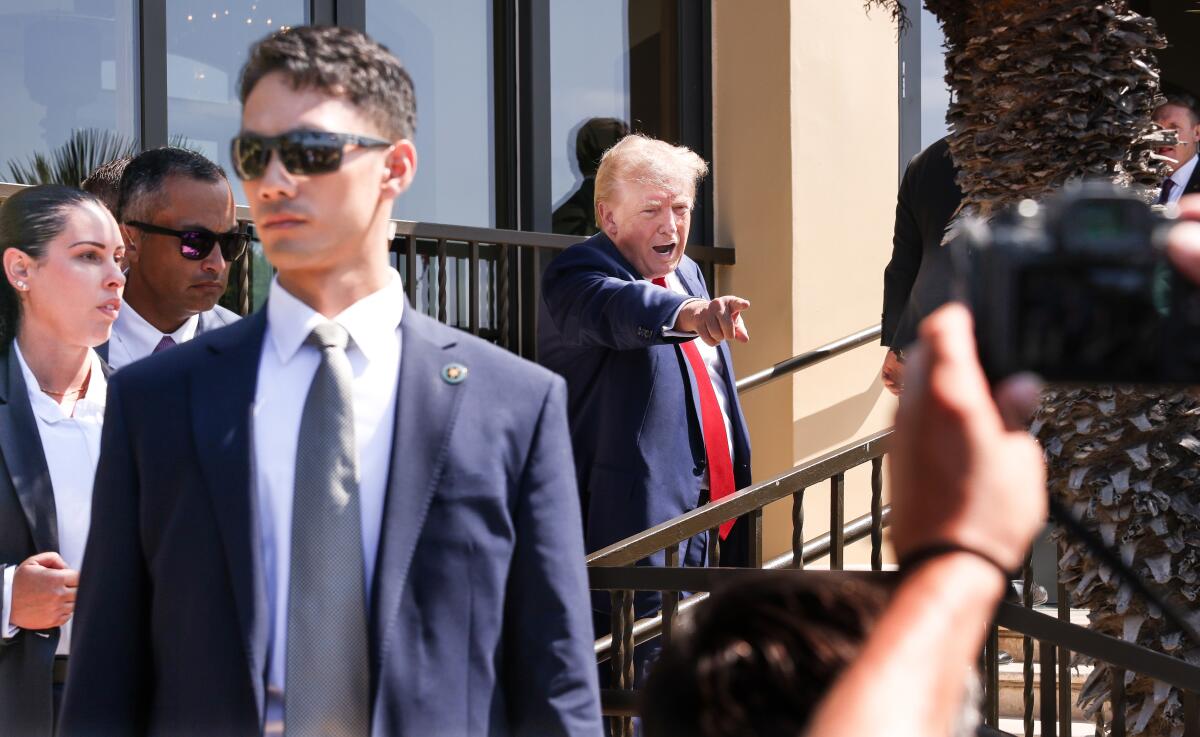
{"type": "Point", "coordinates": [1012, 689]}
{"type": "Point", "coordinates": [1017, 727]}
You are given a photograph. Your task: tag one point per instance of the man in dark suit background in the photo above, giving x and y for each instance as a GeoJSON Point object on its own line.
{"type": "Point", "coordinates": [1180, 114]}
{"type": "Point", "coordinates": [655, 420]}
{"type": "Point", "coordinates": [918, 278]}
{"type": "Point", "coordinates": [577, 215]}
{"type": "Point", "coordinates": [337, 516]}
{"type": "Point", "coordinates": [176, 210]}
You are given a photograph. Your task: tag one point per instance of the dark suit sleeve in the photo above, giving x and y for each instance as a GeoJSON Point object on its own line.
{"type": "Point", "coordinates": [110, 673]}
{"type": "Point", "coordinates": [593, 308]}
{"type": "Point", "coordinates": [901, 271]}
{"type": "Point", "coordinates": [550, 668]}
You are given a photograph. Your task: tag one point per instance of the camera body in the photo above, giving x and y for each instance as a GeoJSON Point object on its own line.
{"type": "Point", "coordinates": [1079, 289]}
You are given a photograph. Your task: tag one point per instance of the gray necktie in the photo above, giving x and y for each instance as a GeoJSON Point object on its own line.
{"type": "Point", "coordinates": [327, 681]}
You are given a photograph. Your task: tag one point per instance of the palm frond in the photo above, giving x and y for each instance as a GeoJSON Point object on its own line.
{"type": "Point", "coordinates": [71, 162]}
{"type": "Point", "coordinates": [893, 7]}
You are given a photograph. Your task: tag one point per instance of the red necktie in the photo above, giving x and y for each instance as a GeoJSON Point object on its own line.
{"type": "Point", "coordinates": [712, 422]}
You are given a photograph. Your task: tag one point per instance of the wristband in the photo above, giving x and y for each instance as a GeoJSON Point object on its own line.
{"type": "Point", "coordinates": [914, 559]}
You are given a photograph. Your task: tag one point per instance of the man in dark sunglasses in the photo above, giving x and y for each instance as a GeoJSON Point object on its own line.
{"type": "Point", "coordinates": [337, 516]}
{"type": "Point", "coordinates": [177, 213]}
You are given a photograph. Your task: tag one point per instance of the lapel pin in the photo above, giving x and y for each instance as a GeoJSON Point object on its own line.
{"type": "Point", "coordinates": [454, 373]}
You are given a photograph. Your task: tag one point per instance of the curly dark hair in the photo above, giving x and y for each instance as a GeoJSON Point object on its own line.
{"type": "Point", "coordinates": [758, 657]}
{"type": "Point", "coordinates": [341, 62]}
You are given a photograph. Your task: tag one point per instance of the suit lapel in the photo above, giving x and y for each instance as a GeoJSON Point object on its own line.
{"type": "Point", "coordinates": [21, 445]}
{"type": "Point", "coordinates": [224, 439]}
{"type": "Point", "coordinates": [1193, 184]}
{"type": "Point", "coordinates": [426, 409]}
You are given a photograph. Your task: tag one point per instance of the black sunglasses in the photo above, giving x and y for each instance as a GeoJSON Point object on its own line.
{"type": "Point", "coordinates": [195, 245]}
{"type": "Point", "coordinates": [301, 152]}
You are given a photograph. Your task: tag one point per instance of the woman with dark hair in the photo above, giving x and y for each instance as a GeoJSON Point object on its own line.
{"type": "Point", "coordinates": [60, 294]}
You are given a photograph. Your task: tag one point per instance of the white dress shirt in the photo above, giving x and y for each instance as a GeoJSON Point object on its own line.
{"type": "Point", "coordinates": [133, 338]}
{"type": "Point", "coordinates": [1181, 177]}
{"type": "Point", "coordinates": [712, 361]}
{"type": "Point", "coordinates": [286, 369]}
{"type": "Point", "coordinates": [71, 444]}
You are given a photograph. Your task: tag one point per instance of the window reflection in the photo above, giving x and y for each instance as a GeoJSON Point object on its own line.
{"type": "Point", "coordinates": [577, 214]}
{"type": "Point", "coordinates": [612, 63]}
{"type": "Point", "coordinates": [935, 94]}
{"type": "Point", "coordinates": [446, 46]}
{"type": "Point", "coordinates": [66, 69]}
{"type": "Point", "coordinates": [208, 41]}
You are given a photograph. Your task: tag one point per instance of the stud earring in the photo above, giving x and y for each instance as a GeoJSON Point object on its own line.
{"type": "Point", "coordinates": [21, 285]}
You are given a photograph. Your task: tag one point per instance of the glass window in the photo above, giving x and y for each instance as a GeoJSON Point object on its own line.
{"type": "Point", "coordinates": [207, 44]}
{"type": "Point", "coordinates": [446, 46]}
{"type": "Point", "coordinates": [610, 61]}
{"type": "Point", "coordinates": [65, 69]}
{"type": "Point", "coordinates": [935, 94]}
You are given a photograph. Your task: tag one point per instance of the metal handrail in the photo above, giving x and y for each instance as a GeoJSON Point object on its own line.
{"type": "Point", "coordinates": [644, 630]}
{"type": "Point", "coordinates": [634, 548]}
{"type": "Point", "coordinates": [1048, 630]}
{"type": "Point", "coordinates": [810, 358]}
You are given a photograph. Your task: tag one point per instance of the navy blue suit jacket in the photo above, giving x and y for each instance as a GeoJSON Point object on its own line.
{"type": "Point", "coordinates": [28, 525]}
{"type": "Point", "coordinates": [632, 403]}
{"type": "Point", "coordinates": [479, 622]}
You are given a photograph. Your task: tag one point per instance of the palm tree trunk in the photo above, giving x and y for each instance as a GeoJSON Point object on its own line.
{"type": "Point", "coordinates": [1044, 93]}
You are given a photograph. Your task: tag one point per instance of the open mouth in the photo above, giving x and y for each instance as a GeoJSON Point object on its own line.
{"type": "Point", "coordinates": [110, 309]}
{"type": "Point", "coordinates": [664, 250]}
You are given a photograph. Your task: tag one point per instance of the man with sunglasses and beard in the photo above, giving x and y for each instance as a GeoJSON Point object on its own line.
{"type": "Point", "coordinates": [337, 516]}
{"type": "Point", "coordinates": [177, 214]}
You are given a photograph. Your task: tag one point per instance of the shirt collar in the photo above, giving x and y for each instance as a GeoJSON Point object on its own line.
{"type": "Point", "coordinates": [146, 337]}
{"type": "Point", "coordinates": [675, 283]}
{"type": "Point", "coordinates": [91, 404]}
{"type": "Point", "coordinates": [1184, 173]}
{"type": "Point", "coordinates": [369, 321]}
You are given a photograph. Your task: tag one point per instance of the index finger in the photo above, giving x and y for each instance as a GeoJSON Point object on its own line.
{"type": "Point", "coordinates": [737, 304]}
{"type": "Point", "coordinates": [70, 577]}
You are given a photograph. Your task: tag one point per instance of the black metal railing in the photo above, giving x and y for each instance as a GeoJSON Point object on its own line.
{"type": "Point", "coordinates": [1049, 639]}
{"type": "Point", "coordinates": [616, 564]}
{"type": "Point", "coordinates": [488, 281]}
{"type": "Point", "coordinates": [1057, 638]}
{"type": "Point", "coordinates": [1052, 634]}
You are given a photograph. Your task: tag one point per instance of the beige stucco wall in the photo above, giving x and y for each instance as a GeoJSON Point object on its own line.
{"type": "Point", "coordinates": [805, 150]}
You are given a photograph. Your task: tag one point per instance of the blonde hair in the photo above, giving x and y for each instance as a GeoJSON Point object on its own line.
{"type": "Point", "coordinates": [639, 158]}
